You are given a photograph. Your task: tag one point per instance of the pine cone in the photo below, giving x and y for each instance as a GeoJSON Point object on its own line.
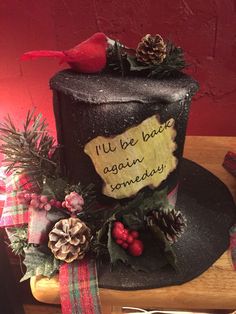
{"type": "Point", "coordinates": [69, 239]}
{"type": "Point", "coordinates": [170, 221]}
{"type": "Point", "coordinates": [151, 50]}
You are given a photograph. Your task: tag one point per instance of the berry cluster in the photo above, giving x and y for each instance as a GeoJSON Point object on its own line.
{"type": "Point", "coordinates": [127, 239]}
{"type": "Point", "coordinates": [37, 201]}
{"type": "Point", "coordinates": [73, 202]}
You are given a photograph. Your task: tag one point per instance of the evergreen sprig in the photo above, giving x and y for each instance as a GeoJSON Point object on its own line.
{"type": "Point", "coordinates": [123, 60]}
{"type": "Point", "coordinates": [117, 59]}
{"type": "Point", "coordinates": [27, 151]}
{"type": "Point", "coordinates": [173, 62]}
{"type": "Point", "coordinates": [18, 239]}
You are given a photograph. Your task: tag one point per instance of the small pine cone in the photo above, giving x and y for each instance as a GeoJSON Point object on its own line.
{"type": "Point", "coordinates": [151, 50]}
{"type": "Point", "coordinates": [69, 239]}
{"type": "Point", "coordinates": [170, 221]}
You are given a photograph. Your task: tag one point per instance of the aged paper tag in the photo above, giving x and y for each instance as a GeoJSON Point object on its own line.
{"type": "Point", "coordinates": [141, 156]}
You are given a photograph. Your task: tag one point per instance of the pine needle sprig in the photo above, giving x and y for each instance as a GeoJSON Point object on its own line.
{"type": "Point", "coordinates": [18, 239]}
{"type": "Point", "coordinates": [117, 58]}
{"type": "Point", "coordinates": [27, 151]}
{"type": "Point", "coordinates": [173, 62]}
{"type": "Point", "coordinates": [124, 61]}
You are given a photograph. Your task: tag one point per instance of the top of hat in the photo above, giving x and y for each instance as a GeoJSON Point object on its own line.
{"type": "Point", "coordinates": [107, 88]}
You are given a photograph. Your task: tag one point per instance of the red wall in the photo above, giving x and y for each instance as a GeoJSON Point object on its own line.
{"type": "Point", "coordinates": [205, 29]}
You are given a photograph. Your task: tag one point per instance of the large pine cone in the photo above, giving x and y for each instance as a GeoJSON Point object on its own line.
{"type": "Point", "coordinates": [170, 221]}
{"type": "Point", "coordinates": [69, 239]}
{"type": "Point", "coordinates": [151, 50]}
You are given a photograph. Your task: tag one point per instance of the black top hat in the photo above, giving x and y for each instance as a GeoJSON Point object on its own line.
{"type": "Point", "coordinates": [89, 107]}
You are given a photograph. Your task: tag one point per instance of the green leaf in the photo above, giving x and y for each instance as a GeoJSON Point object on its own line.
{"type": "Point", "coordinates": [39, 263]}
{"type": "Point", "coordinates": [115, 251]}
{"type": "Point", "coordinates": [155, 199]}
{"type": "Point", "coordinates": [135, 66]}
{"type": "Point", "coordinates": [102, 234]}
{"type": "Point", "coordinates": [134, 220]}
{"type": "Point", "coordinates": [18, 239]}
{"type": "Point", "coordinates": [165, 245]}
{"type": "Point", "coordinates": [151, 259]}
{"type": "Point", "coordinates": [141, 205]}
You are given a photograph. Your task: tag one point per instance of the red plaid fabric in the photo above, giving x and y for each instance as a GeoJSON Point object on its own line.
{"type": "Point", "coordinates": [14, 213]}
{"type": "Point", "coordinates": [230, 163]}
{"type": "Point", "coordinates": [38, 226]}
{"type": "Point", "coordinates": [2, 202]}
{"type": "Point", "coordinates": [79, 287]}
{"type": "Point", "coordinates": [2, 190]}
{"type": "Point", "coordinates": [78, 281]}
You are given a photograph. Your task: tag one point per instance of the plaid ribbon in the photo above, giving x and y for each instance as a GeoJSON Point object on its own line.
{"type": "Point", "coordinates": [230, 163]}
{"type": "Point", "coordinates": [232, 246]}
{"type": "Point", "coordinates": [79, 287]}
{"type": "Point", "coordinates": [14, 213]}
{"type": "Point", "coordinates": [2, 195]}
{"type": "Point", "coordinates": [38, 226]}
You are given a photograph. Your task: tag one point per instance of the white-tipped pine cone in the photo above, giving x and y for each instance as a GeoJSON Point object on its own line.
{"type": "Point", "coordinates": [170, 221]}
{"type": "Point", "coordinates": [151, 50]}
{"type": "Point", "coordinates": [69, 239]}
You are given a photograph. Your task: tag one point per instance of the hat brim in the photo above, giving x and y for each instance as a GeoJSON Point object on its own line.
{"type": "Point", "coordinates": [210, 211]}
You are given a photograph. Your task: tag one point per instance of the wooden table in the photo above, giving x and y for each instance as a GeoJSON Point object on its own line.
{"type": "Point", "coordinates": [214, 289]}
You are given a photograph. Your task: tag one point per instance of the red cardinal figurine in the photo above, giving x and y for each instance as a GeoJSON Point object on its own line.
{"type": "Point", "coordinates": [87, 57]}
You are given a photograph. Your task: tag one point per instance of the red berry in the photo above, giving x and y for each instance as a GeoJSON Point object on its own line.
{"type": "Point", "coordinates": [41, 205]}
{"type": "Point", "coordinates": [134, 234]}
{"type": "Point", "coordinates": [43, 199]}
{"type": "Point", "coordinates": [34, 196]}
{"type": "Point", "coordinates": [47, 207]}
{"type": "Point", "coordinates": [130, 239]}
{"type": "Point", "coordinates": [119, 225]}
{"type": "Point", "coordinates": [27, 196]}
{"type": "Point", "coordinates": [63, 204]}
{"type": "Point", "coordinates": [136, 248]}
{"type": "Point", "coordinates": [125, 234]}
{"type": "Point", "coordinates": [34, 203]}
{"type": "Point", "coordinates": [58, 204]}
{"type": "Point", "coordinates": [119, 241]}
{"type": "Point", "coordinates": [52, 202]}
{"type": "Point", "coordinates": [117, 233]}
{"type": "Point", "coordinates": [125, 245]}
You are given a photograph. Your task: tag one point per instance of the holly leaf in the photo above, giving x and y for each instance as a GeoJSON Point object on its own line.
{"type": "Point", "coordinates": [135, 66]}
{"type": "Point", "coordinates": [141, 205]}
{"type": "Point", "coordinates": [165, 245]}
{"type": "Point", "coordinates": [104, 231]}
{"type": "Point", "coordinates": [115, 251]}
{"type": "Point", "coordinates": [154, 200]}
{"type": "Point", "coordinates": [151, 259]}
{"type": "Point", "coordinates": [39, 263]}
{"type": "Point", "coordinates": [134, 220]}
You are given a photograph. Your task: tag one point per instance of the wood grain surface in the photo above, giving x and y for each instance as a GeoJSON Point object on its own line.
{"type": "Point", "coordinates": [214, 289]}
